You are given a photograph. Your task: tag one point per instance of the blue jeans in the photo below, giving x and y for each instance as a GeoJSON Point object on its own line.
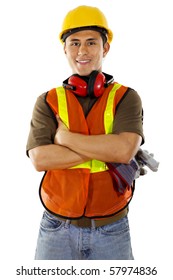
{"type": "Point", "coordinates": [60, 240]}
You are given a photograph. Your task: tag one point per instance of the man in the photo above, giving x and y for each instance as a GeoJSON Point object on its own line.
{"type": "Point", "coordinates": [75, 130]}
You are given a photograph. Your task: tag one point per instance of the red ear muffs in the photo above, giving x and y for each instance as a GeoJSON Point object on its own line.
{"type": "Point", "coordinates": [96, 84]}
{"type": "Point", "coordinates": [94, 87]}
{"type": "Point", "coordinates": [79, 85]}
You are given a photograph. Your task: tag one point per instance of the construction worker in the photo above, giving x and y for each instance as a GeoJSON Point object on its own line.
{"type": "Point", "coordinates": [75, 130]}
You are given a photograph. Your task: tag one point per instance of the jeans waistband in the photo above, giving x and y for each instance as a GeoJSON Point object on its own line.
{"type": "Point", "coordinates": [88, 222]}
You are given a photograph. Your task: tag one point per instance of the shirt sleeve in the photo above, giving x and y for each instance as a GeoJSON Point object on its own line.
{"type": "Point", "coordinates": [129, 115]}
{"type": "Point", "coordinates": [43, 125]}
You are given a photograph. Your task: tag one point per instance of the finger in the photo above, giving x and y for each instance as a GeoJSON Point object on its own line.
{"type": "Point", "coordinates": [143, 171]}
{"type": "Point", "coordinates": [60, 122]}
{"type": "Point", "coordinates": [58, 117]}
{"type": "Point", "coordinates": [152, 155]}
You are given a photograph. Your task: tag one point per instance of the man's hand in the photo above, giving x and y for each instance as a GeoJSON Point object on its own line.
{"type": "Point", "coordinates": [61, 132]}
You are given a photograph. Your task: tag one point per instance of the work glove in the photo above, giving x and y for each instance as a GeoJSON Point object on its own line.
{"type": "Point", "coordinates": [125, 174]}
{"type": "Point", "coordinates": [143, 157]}
{"type": "Point", "coordinates": [141, 170]}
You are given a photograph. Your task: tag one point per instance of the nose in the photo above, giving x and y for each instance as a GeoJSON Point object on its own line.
{"type": "Point", "coordinates": [82, 50]}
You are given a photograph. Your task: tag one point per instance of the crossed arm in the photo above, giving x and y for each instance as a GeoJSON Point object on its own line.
{"type": "Point", "coordinates": [70, 149]}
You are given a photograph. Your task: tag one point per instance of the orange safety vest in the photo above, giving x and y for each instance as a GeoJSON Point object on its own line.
{"type": "Point", "coordinates": [87, 189]}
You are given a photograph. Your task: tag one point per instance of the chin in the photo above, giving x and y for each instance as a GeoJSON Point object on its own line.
{"type": "Point", "coordinates": [84, 73]}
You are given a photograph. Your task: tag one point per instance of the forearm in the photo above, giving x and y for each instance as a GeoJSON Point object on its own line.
{"type": "Point", "coordinates": [53, 156]}
{"type": "Point", "coordinates": [108, 148]}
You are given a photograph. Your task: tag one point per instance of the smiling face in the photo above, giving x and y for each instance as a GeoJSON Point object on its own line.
{"type": "Point", "coordinates": [85, 51]}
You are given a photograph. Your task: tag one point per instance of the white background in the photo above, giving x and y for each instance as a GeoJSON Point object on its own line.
{"type": "Point", "coordinates": [32, 62]}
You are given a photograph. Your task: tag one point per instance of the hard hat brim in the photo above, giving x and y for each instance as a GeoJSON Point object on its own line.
{"type": "Point", "coordinates": [107, 33]}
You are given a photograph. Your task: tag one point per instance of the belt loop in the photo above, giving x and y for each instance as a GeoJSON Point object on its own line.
{"type": "Point", "coordinates": [67, 223]}
{"type": "Point", "coordinates": [93, 224]}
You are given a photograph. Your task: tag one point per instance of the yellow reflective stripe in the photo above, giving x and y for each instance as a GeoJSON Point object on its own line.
{"type": "Point", "coordinates": [98, 166]}
{"type": "Point", "coordinates": [108, 114]}
{"type": "Point", "coordinates": [62, 105]}
{"type": "Point", "coordinates": [63, 114]}
{"type": "Point", "coordinates": [93, 165]}
{"type": "Point", "coordinates": [86, 165]}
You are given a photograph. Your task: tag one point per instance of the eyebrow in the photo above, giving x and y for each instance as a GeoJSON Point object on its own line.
{"type": "Point", "coordinates": [89, 39]}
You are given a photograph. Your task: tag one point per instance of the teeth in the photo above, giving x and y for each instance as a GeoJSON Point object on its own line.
{"type": "Point", "coordinates": [82, 61]}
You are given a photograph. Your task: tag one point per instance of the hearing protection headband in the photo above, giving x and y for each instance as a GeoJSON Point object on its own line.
{"type": "Point", "coordinates": [92, 86]}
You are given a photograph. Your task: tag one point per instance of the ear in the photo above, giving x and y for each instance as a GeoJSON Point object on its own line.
{"type": "Point", "coordinates": [106, 48]}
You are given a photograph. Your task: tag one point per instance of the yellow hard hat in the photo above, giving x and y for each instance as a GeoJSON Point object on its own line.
{"type": "Point", "coordinates": [85, 17]}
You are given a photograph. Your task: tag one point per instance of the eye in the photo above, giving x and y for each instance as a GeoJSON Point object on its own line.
{"type": "Point", "coordinates": [91, 43]}
{"type": "Point", "coordinates": [75, 44]}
